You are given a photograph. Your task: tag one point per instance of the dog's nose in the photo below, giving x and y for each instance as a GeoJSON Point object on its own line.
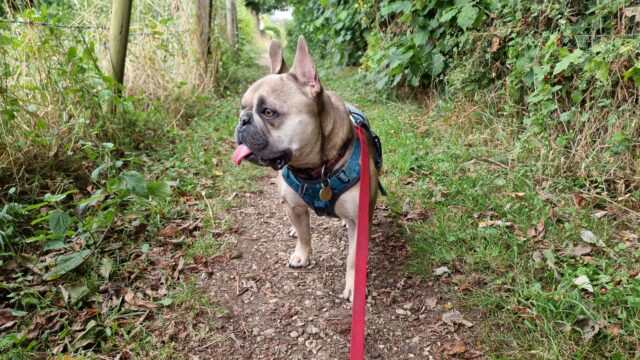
{"type": "Point", "coordinates": [246, 117]}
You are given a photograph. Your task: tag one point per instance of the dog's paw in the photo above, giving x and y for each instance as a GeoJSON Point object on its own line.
{"type": "Point", "coordinates": [347, 294]}
{"type": "Point", "coordinates": [299, 260]}
{"type": "Point", "coordinates": [292, 232]}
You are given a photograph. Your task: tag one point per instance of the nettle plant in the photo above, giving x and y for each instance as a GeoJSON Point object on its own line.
{"type": "Point", "coordinates": [66, 229]}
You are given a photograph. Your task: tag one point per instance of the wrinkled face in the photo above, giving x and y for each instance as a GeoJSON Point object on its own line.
{"type": "Point", "coordinates": [278, 123]}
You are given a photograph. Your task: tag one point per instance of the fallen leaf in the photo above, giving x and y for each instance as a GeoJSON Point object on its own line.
{"type": "Point", "coordinates": [170, 230]}
{"type": "Point", "coordinates": [431, 303]}
{"type": "Point", "coordinates": [406, 208]}
{"type": "Point", "coordinates": [537, 232]}
{"type": "Point", "coordinates": [136, 300]}
{"type": "Point", "coordinates": [578, 251]}
{"type": "Point", "coordinates": [589, 237]}
{"type": "Point", "coordinates": [583, 282]}
{"type": "Point", "coordinates": [580, 201]}
{"type": "Point", "coordinates": [495, 44]}
{"type": "Point", "coordinates": [599, 214]}
{"type": "Point", "coordinates": [454, 317]}
{"type": "Point", "coordinates": [588, 327]}
{"type": "Point", "coordinates": [536, 256]}
{"type": "Point", "coordinates": [613, 330]}
{"type": "Point", "coordinates": [180, 266]}
{"type": "Point", "coordinates": [517, 195]}
{"type": "Point", "coordinates": [496, 223]}
{"type": "Point", "coordinates": [628, 235]}
{"type": "Point", "coordinates": [441, 271]}
{"type": "Point", "coordinates": [417, 215]}
{"type": "Point", "coordinates": [454, 348]}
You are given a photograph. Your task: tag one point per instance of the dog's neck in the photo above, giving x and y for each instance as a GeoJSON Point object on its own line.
{"type": "Point", "coordinates": [337, 129]}
{"type": "Point", "coordinates": [337, 138]}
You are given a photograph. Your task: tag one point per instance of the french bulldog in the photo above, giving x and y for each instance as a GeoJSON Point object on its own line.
{"type": "Point", "coordinates": [288, 119]}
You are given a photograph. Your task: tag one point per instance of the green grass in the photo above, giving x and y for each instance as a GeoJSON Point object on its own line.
{"type": "Point", "coordinates": [465, 166]}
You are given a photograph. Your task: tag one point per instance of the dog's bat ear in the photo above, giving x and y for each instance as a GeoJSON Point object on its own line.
{"type": "Point", "coordinates": [304, 69]}
{"type": "Point", "coordinates": [278, 66]}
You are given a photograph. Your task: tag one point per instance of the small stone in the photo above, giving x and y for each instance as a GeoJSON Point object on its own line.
{"type": "Point", "coordinates": [294, 334]}
{"type": "Point", "coordinates": [401, 312]}
{"type": "Point", "coordinates": [407, 306]}
{"type": "Point", "coordinates": [269, 332]}
{"type": "Point", "coordinates": [310, 344]}
{"type": "Point", "coordinates": [312, 330]}
{"type": "Point", "coordinates": [307, 303]}
{"type": "Point", "coordinates": [300, 340]}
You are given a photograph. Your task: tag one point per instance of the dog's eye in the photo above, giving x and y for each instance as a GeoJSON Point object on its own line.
{"type": "Point", "coordinates": [268, 112]}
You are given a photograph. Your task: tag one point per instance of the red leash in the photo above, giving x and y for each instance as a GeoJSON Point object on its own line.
{"type": "Point", "coordinates": [362, 243]}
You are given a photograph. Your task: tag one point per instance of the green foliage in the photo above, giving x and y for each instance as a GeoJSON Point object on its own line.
{"type": "Point", "coordinates": [265, 6]}
{"type": "Point", "coordinates": [338, 25]}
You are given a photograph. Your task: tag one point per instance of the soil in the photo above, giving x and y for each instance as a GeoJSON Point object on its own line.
{"type": "Point", "coordinates": [273, 312]}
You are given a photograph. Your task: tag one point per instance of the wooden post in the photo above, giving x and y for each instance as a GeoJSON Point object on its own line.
{"type": "Point", "coordinates": [118, 39]}
{"type": "Point", "coordinates": [232, 23]}
{"type": "Point", "coordinates": [203, 20]}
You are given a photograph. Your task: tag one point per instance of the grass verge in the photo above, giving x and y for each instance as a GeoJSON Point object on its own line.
{"type": "Point", "coordinates": [548, 265]}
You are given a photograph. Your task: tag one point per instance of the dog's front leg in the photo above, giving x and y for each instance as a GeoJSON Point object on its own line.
{"type": "Point", "coordinates": [351, 261]}
{"type": "Point", "coordinates": [299, 217]}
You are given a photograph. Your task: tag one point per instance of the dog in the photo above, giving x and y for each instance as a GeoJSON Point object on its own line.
{"type": "Point", "coordinates": [290, 123]}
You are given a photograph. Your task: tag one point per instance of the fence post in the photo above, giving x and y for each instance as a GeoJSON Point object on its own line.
{"type": "Point", "coordinates": [232, 23]}
{"type": "Point", "coordinates": [203, 20]}
{"type": "Point", "coordinates": [118, 39]}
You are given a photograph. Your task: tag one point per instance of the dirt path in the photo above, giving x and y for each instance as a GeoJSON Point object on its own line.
{"type": "Point", "coordinates": [278, 313]}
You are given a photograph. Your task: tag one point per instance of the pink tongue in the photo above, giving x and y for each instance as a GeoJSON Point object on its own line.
{"type": "Point", "coordinates": [241, 152]}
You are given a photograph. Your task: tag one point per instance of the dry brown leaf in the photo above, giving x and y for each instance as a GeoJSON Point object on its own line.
{"type": "Point", "coordinates": [628, 236]}
{"type": "Point", "coordinates": [431, 303]}
{"type": "Point", "coordinates": [136, 300]}
{"type": "Point", "coordinates": [179, 268]}
{"type": "Point", "coordinates": [537, 256]}
{"type": "Point", "coordinates": [537, 232]}
{"type": "Point", "coordinates": [454, 348]}
{"type": "Point", "coordinates": [417, 215]}
{"type": "Point", "coordinates": [496, 223]}
{"type": "Point", "coordinates": [170, 230]}
{"type": "Point", "coordinates": [517, 195]}
{"type": "Point", "coordinates": [495, 44]}
{"type": "Point", "coordinates": [454, 317]}
{"type": "Point", "coordinates": [599, 214]}
{"type": "Point", "coordinates": [580, 201]}
{"type": "Point", "coordinates": [578, 251]}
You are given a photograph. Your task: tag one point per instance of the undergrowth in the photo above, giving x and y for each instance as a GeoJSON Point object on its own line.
{"type": "Point", "coordinates": [95, 207]}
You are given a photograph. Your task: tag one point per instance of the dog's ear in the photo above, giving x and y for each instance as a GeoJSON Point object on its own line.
{"type": "Point", "coordinates": [278, 66]}
{"type": "Point", "coordinates": [304, 69]}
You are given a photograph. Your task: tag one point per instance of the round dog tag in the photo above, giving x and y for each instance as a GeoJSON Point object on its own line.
{"type": "Point", "coordinates": [325, 193]}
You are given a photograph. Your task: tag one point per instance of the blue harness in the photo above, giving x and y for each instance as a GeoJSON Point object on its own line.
{"type": "Point", "coordinates": [340, 179]}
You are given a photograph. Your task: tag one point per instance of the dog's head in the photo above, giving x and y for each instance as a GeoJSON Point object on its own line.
{"type": "Point", "coordinates": [280, 116]}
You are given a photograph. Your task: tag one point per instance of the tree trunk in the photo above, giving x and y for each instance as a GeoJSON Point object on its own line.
{"type": "Point", "coordinates": [118, 39]}
{"type": "Point", "coordinates": [256, 20]}
{"type": "Point", "coordinates": [203, 22]}
{"type": "Point", "coordinates": [232, 23]}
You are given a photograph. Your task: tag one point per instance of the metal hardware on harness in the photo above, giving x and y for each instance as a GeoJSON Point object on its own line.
{"type": "Point", "coordinates": [331, 186]}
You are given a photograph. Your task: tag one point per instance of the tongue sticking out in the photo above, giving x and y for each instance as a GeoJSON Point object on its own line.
{"type": "Point", "coordinates": [241, 152]}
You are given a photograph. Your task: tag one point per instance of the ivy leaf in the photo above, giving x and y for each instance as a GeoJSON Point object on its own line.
{"type": "Point", "coordinates": [67, 263]}
{"type": "Point", "coordinates": [467, 16]}
{"type": "Point", "coordinates": [59, 222]}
